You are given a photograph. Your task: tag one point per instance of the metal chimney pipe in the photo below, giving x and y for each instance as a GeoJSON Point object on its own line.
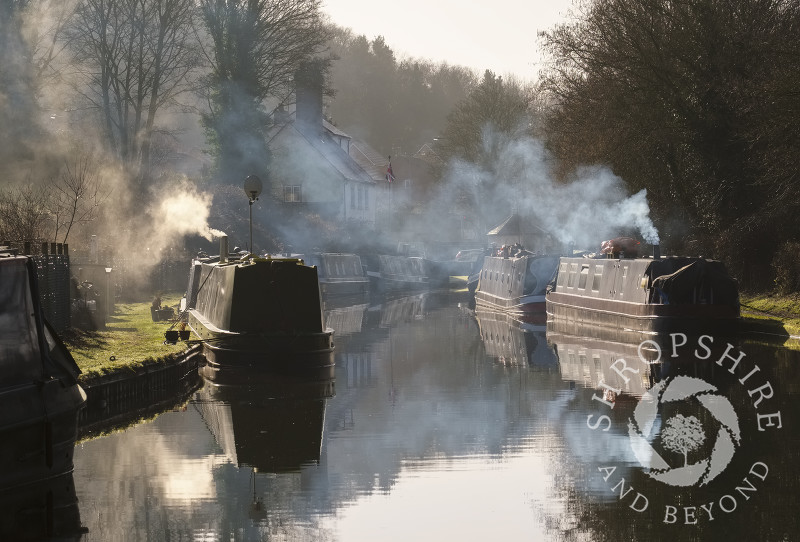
{"type": "Point", "coordinates": [223, 249]}
{"type": "Point", "coordinates": [656, 252]}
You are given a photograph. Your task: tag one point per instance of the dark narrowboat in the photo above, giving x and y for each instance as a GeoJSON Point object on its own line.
{"type": "Point", "coordinates": [516, 285]}
{"type": "Point", "coordinates": [401, 273]}
{"type": "Point", "coordinates": [40, 397]}
{"type": "Point", "coordinates": [670, 294]}
{"type": "Point", "coordinates": [253, 312]}
{"type": "Point", "coordinates": [339, 274]}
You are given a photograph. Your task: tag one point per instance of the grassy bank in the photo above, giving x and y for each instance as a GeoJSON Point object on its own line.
{"type": "Point", "coordinates": [130, 339]}
{"type": "Point", "coordinates": [775, 310]}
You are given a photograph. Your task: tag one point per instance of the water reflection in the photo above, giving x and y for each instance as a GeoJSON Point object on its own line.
{"type": "Point", "coordinates": [513, 342]}
{"type": "Point", "coordinates": [272, 423]}
{"type": "Point", "coordinates": [444, 424]}
{"type": "Point", "coordinates": [43, 510]}
{"type": "Point", "coordinates": [658, 476]}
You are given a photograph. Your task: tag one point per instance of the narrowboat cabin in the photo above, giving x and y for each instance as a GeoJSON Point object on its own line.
{"type": "Point", "coordinates": [253, 312]}
{"type": "Point", "coordinates": [670, 294]}
{"type": "Point", "coordinates": [40, 398]}
{"type": "Point", "coordinates": [402, 273]}
{"type": "Point", "coordinates": [516, 285]}
{"type": "Point", "coordinates": [339, 274]}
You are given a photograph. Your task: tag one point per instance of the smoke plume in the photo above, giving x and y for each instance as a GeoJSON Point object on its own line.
{"type": "Point", "coordinates": [516, 176]}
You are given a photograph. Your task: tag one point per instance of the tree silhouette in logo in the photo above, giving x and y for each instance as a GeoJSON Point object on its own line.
{"type": "Point", "coordinates": [683, 435]}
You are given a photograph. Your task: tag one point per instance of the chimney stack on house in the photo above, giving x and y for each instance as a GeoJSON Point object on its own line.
{"type": "Point", "coordinates": [309, 82]}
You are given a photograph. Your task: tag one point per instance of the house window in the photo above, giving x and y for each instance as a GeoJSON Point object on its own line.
{"type": "Point", "coordinates": [352, 197]}
{"type": "Point", "coordinates": [292, 193]}
{"type": "Point", "coordinates": [360, 198]}
{"type": "Point", "coordinates": [366, 197]}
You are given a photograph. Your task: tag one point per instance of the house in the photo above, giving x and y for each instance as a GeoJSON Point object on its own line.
{"type": "Point", "coordinates": [312, 168]}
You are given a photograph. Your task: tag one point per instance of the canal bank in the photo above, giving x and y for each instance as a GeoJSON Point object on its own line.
{"type": "Point", "coordinates": [127, 371]}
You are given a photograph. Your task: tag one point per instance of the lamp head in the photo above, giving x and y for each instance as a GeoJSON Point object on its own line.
{"type": "Point", "coordinates": [252, 187]}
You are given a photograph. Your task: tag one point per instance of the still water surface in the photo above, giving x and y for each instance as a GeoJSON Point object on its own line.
{"type": "Point", "coordinates": [444, 424]}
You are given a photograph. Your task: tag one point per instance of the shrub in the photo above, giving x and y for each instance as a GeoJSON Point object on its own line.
{"type": "Point", "coordinates": [786, 264]}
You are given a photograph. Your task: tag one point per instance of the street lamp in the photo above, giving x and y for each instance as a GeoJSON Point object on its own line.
{"type": "Point", "coordinates": [109, 300]}
{"type": "Point", "coordinates": [252, 187]}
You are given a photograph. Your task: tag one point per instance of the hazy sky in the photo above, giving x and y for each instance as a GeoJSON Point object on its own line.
{"type": "Point", "coordinates": [500, 35]}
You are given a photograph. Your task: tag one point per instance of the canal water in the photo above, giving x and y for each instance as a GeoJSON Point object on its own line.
{"type": "Point", "coordinates": [444, 424]}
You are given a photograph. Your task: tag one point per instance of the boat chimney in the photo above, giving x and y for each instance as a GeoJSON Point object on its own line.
{"type": "Point", "coordinates": [223, 249]}
{"type": "Point", "coordinates": [656, 252]}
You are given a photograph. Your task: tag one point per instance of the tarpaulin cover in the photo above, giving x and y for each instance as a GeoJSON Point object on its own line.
{"type": "Point", "coordinates": [698, 282]}
{"type": "Point", "coordinates": [20, 356]}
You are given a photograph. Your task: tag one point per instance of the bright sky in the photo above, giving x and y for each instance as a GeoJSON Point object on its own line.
{"type": "Point", "coordinates": [500, 35]}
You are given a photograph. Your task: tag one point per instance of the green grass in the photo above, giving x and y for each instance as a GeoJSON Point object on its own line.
{"type": "Point", "coordinates": [783, 310]}
{"type": "Point", "coordinates": [131, 338]}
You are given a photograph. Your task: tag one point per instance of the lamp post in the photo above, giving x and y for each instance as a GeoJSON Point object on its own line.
{"type": "Point", "coordinates": [252, 187]}
{"type": "Point", "coordinates": [109, 301]}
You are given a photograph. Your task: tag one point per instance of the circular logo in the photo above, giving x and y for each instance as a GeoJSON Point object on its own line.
{"type": "Point", "coordinates": [684, 434]}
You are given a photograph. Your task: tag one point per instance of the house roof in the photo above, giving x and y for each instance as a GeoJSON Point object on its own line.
{"type": "Point", "coordinates": [324, 145]}
{"type": "Point", "coordinates": [369, 159]}
{"type": "Point", "coordinates": [516, 225]}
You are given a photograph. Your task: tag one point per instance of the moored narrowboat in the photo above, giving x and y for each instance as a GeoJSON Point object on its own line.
{"type": "Point", "coordinates": [679, 294]}
{"type": "Point", "coordinates": [516, 285]}
{"type": "Point", "coordinates": [40, 397]}
{"type": "Point", "coordinates": [258, 312]}
{"type": "Point", "coordinates": [339, 273]}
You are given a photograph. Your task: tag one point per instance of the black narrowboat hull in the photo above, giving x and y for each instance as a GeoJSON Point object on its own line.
{"type": "Point", "coordinates": [261, 314]}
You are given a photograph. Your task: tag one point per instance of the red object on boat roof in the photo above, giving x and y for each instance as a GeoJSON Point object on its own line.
{"type": "Point", "coordinates": [627, 245]}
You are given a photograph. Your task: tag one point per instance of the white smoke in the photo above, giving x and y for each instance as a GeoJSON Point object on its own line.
{"type": "Point", "coordinates": [185, 212]}
{"type": "Point", "coordinates": [592, 206]}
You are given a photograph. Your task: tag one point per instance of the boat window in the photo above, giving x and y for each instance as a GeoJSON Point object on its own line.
{"type": "Point", "coordinates": [598, 275]}
{"type": "Point", "coordinates": [584, 275]}
{"type": "Point", "coordinates": [621, 289]}
{"type": "Point", "coordinates": [573, 270]}
{"type": "Point", "coordinates": [562, 273]}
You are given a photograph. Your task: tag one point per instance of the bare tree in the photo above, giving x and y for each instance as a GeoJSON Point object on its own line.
{"type": "Point", "coordinates": [23, 213]}
{"type": "Point", "coordinates": [683, 435]}
{"type": "Point", "coordinates": [135, 57]}
{"type": "Point", "coordinates": [77, 194]}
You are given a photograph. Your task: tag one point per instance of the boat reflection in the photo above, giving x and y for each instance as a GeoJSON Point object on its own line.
{"type": "Point", "coordinates": [510, 341]}
{"type": "Point", "coordinates": [43, 510]}
{"type": "Point", "coordinates": [589, 362]}
{"type": "Point", "coordinates": [345, 318]}
{"type": "Point", "coordinates": [271, 422]}
{"type": "Point", "coordinates": [684, 419]}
